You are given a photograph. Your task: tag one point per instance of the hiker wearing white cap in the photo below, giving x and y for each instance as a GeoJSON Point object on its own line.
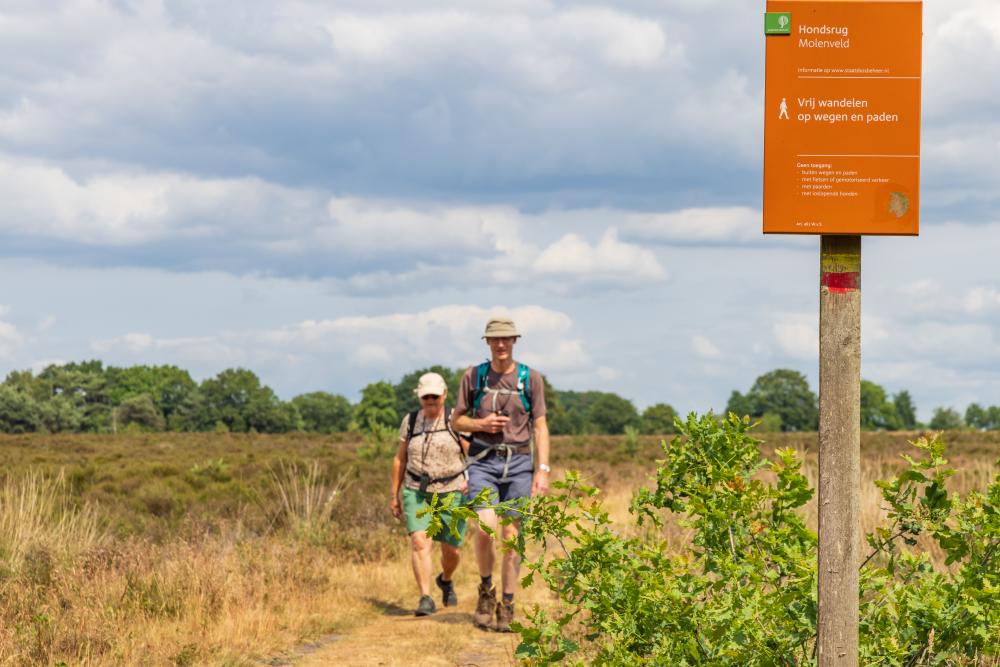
{"type": "Point", "coordinates": [430, 459]}
{"type": "Point", "coordinates": [502, 403]}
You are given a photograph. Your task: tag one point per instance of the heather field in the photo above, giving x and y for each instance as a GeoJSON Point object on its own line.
{"type": "Point", "coordinates": [184, 549]}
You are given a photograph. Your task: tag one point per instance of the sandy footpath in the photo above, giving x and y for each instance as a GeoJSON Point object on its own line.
{"type": "Point", "coordinates": [396, 637]}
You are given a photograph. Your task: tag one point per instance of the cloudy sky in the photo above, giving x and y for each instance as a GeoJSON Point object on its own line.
{"type": "Point", "coordinates": [332, 193]}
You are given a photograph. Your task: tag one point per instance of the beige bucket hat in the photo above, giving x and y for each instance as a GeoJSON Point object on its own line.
{"type": "Point", "coordinates": [430, 384]}
{"type": "Point", "coordinates": [501, 327]}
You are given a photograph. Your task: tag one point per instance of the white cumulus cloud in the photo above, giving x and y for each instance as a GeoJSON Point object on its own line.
{"type": "Point", "coordinates": [389, 344]}
{"type": "Point", "coordinates": [696, 225]}
{"type": "Point", "coordinates": [798, 334]}
{"type": "Point", "coordinates": [609, 259]}
{"type": "Point", "coordinates": [981, 299]}
{"type": "Point", "coordinates": [705, 348]}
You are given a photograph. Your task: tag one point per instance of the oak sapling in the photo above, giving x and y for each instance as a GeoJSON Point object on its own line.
{"type": "Point", "coordinates": [744, 592]}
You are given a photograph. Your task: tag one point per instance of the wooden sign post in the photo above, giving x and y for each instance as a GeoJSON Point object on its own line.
{"type": "Point", "coordinates": [841, 159]}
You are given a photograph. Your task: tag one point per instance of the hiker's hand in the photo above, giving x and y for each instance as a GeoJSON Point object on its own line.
{"type": "Point", "coordinates": [494, 423]}
{"type": "Point", "coordinates": [540, 483]}
{"type": "Point", "coordinates": [397, 512]}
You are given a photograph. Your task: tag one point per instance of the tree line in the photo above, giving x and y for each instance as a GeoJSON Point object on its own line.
{"type": "Point", "coordinates": [89, 397]}
{"type": "Point", "coordinates": [93, 398]}
{"type": "Point", "coordinates": [783, 401]}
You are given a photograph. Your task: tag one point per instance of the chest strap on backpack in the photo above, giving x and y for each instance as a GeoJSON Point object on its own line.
{"type": "Point", "coordinates": [523, 386]}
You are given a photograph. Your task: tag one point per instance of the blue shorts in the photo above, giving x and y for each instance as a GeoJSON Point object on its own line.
{"type": "Point", "coordinates": [486, 473]}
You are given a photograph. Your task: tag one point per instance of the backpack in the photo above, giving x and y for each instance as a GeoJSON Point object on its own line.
{"type": "Point", "coordinates": [423, 478]}
{"type": "Point", "coordinates": [523, 385]}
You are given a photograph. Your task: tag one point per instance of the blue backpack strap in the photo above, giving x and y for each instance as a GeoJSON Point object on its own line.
{"type": "Point", "coordinates": [481, 372]}
{"type": "Point", "coordinates": [524, 386]}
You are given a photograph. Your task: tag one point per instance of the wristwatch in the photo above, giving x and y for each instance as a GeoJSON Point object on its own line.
{"type": "Point", "coordinates": [544, 467]}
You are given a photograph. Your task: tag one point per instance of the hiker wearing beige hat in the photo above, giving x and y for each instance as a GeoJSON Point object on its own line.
{"type": "Point", "coordinates": [502, 403]}
{"type": "Point", "coordinates": [430, 459]}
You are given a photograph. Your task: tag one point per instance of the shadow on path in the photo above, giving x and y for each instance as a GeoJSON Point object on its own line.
{"type": "Point", "coordinates": [300, 652]}
{"type": "Point", "coordinates": [388, 608]}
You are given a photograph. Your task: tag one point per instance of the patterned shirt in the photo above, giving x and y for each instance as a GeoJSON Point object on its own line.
{"type": "Point", "coordinates": [433, 450]}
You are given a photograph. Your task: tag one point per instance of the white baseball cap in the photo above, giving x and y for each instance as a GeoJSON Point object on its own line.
{"type": "Point", "coordinates": [431, 383]}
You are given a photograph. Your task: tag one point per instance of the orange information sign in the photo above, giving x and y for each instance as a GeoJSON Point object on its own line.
{"type": "Point", "coordinates": [842, 117]}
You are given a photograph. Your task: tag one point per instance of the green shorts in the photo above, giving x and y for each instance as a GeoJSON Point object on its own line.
{"type": "Point", "coordinates": [414, 501]}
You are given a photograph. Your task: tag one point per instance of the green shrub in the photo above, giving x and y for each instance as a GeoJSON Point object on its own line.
{"type": "Point", "coordinates": [745, 592]}
{"type": "Point", "coordinates": [630, 444]}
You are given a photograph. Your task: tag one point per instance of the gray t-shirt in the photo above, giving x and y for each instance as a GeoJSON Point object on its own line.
{"type": "Point", "coordinates": [506, 401]}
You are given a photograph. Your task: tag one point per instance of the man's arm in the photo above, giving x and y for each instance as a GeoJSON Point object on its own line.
{"type": "Point", "coordinates": [461, 422]}
{"type": "Point", "coordinates": [488, 424]}
{"type": "Point", "coordinates": [540, 482]}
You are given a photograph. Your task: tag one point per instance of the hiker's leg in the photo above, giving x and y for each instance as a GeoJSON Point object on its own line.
{"type": "Point", "coordinates": [420, 556]}
{"type": "Point", "coordinates": [510, 566]}
{"type": "Point", "coordinates": [450, 557]}
{"type": "Point", "coordinates": [485, 548]}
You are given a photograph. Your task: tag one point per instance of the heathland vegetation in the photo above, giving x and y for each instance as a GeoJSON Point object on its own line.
{"type": "Point", "coordinates": [228, 549]}
{"type": "Point", "coordinates": [232, 542]}
{"type": "Point", "coordinates": [89, 397]}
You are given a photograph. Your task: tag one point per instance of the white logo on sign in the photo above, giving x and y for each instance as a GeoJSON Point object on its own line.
{"type": "Point", "coordinates": [782, 22]}
{"type": "Point", "coordinates": [783, 109]}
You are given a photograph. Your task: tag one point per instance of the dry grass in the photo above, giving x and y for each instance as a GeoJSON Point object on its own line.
{"type": "Point", "coordinates": [222, 600]}
{"type": "Point", "coordinates": [306, 500]}
{"type": "Point", "coordinates": [182, 550]}
{"type": "Point", "coordinates": [36, 514]}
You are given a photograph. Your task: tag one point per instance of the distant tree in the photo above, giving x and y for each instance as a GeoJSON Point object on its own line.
{"type": "Point", "coordinates": [85, 385]}
{"type": "Point", "coordinates": [237, 399]}
{"type": "Point", "coordinates": [18, 411]}
{"type": "Point", "coordinates": [26, 382]}
{"type": "Point", "coordinates": [877, 413]}
{"type": "Point", "coordinates": [322, 412]}
{"type": "Point", "coordinates": [993, 417]}
{"type": "Point", "coordinates": [139, 412]}
{"type": "Point", "coordinates": [377, 406]}
{"type": "Point", "coordinates": [739, 404]}
{"type": "Point", "coordinates": [610, 413]}
{"type": "Point", "coordinates": [272, 415]}
{"type": "Point", "coordinates": [573, 419]}
{"type": "Point", "coordinates": [769, 423]}
{"type": "Point", "coordinates": [123, 383]}
{"type": "Point", "coordinates": [59, 414]}
{"type": "Point", "coordinates": [976, 417]}
{"type": "Point", "coordinates": [175, 392]}
{"type": "Point", "coordinates": [171, 389]}
{"type": "Point", "coordinates": [658, 419]}
{"type": "Point", "coordinates": [946, 419]}
{"type": "Point", "coordinates": [906, 411]}
{"type": "Point", "coordinates": [555, 412]}
{"type": "Point", "coordinates": [595, 412]}
{"type": "Point", "coordinates": [783, 392]}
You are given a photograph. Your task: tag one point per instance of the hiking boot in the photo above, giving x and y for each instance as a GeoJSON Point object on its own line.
{"type": "Point", "coordinates": [425, 607]}
{"type": "Point", "coordinates": [505, 614]}
{"type": "Point", "coordinates": [485, 607]}
{"type": "Point", "coordinates": [448, 597]}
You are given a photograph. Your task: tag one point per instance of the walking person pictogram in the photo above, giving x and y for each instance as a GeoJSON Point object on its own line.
{"type": "Point", "coordinates": [783, 112]}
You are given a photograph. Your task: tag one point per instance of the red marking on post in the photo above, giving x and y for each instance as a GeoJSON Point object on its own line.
{"type": "Point", "coordinates": [841, 282]}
